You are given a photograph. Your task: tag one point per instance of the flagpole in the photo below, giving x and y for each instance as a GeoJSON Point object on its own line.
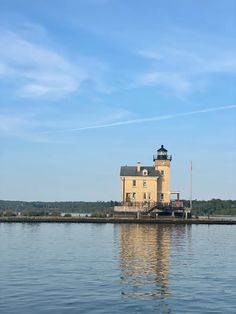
{"type": "Point", "coordinates": [191, 184]}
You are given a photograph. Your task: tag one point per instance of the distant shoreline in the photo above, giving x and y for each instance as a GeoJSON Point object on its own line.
{"type": "Point", "coordinates": [177, 221]}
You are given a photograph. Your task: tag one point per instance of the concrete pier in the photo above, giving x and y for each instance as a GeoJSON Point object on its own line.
{"type": "Point", "coordinates": [115, 220]}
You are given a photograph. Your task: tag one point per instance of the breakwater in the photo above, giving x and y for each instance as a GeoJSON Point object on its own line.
{"type": "Point", "coordinates": [115, 220]}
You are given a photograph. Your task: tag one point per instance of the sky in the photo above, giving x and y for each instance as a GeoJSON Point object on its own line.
{"type": "Point", "coordinates": [87, 86]}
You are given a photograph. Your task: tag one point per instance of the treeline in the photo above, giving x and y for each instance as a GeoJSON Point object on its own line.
{"type": "Point", "coordinates": [210, 207]}
{"type": "Point", "coordinates": [46, 208]}
{"type": "Point", "coordinates": [213, 207]}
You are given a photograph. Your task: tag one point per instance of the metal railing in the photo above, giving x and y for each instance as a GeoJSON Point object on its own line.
{"type": "Point", "coordinates": [162, 157]}
{"type": "Point", "coordinates": [148, 204]}
{"type": "Point", "coordinates": [144, 204]}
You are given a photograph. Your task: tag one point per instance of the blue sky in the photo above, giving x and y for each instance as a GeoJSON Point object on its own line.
{"type": "Point", "coordinates": [89, 85]}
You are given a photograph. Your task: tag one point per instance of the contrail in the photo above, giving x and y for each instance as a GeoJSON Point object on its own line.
{"type": "Point", "coordinates": [142, 120]}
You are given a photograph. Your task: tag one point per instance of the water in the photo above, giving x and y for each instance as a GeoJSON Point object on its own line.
{"type": "Point", "coordinates": [106, 268]}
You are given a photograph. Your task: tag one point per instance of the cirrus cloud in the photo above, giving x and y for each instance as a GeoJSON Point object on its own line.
{"type": "Point", "coordinates": [38, 69]}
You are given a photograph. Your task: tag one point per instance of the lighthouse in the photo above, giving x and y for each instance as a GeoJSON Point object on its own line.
{"type": "Point", "coordinates": [146, 189]}
{"type": "Point", "coordinates": [162, 164]}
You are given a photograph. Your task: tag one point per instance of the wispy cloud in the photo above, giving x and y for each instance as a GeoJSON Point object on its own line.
{"type": "Point", "coordinates": [142, 120]}
{"type": "Point", "coordinates": [176, 81]}
{"type": "Point", "coordinates": [38, 69]}
{"type": "Point", "coordinates": [29, 126]}
{"type": "Point", "coordinates": [184, 70]}
{"type": "Point", "coordinates": [202, 60]}
{"type": "Point", "coordinates": [21, 126]}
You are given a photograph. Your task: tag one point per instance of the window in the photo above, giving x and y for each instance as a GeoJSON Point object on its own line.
{"type": "Point", "coordinates": [134, 182]}
{"type": "Point", "coordinates": [162, 172]}
{"type": "Point", "coordinates": [162, 196]}
{"type": "Point", "coordinates": [127, 197]}
{"type": "Point", "coordinates": [144, 183]}
{"type": "Point", "coordinates": [145, 172]}
{"type": "Point", "coordinates": [133, 196]}
{"type": "Point", "coordinates": [146, 196]}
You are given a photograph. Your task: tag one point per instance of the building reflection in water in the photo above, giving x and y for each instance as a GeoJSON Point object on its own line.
{"type": "Point", "coordinates": [145, 259]}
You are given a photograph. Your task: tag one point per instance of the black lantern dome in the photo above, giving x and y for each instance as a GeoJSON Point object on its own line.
{"type": "Point", "coordinates": [162, 154]}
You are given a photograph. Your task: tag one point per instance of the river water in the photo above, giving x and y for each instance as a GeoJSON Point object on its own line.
{"type": "Point", "coordinates": [106, 268]}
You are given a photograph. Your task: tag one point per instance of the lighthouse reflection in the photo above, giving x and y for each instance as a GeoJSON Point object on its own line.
{"type": "Point", "coordinates": [145, 261]}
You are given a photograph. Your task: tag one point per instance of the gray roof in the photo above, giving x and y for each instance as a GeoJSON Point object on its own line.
{"type": "Point", "coordinates": [132, 171]}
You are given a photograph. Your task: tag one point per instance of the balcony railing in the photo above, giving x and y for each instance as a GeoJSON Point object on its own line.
{"type": "Point", "coordinates": [144, 204]}
{"type": "Point", "coordinates": [149, 204]}
{"type": "Point", "coordinates": [162, 157]}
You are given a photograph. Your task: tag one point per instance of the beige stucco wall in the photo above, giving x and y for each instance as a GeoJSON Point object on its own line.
{"type": "Point", "coordinates": [158, 187]}
{"type": "Point", "coordinates": [139, 189]}
{"type": "Point", "coordinates": [164, 181]}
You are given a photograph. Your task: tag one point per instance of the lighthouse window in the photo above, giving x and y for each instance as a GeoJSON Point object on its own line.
{"type": "Point", "coordinates": [134, 182]}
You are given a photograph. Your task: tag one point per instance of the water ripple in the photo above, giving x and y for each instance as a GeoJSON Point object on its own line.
{"type": "Point", "coordinates": [89, 268]}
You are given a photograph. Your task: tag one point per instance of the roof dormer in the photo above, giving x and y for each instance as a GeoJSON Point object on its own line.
{"type": "Point", "coordinates": [145, 172]}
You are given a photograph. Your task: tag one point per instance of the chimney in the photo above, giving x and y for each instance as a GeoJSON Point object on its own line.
{"type": "Point", "coordinates": [138, 166]}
